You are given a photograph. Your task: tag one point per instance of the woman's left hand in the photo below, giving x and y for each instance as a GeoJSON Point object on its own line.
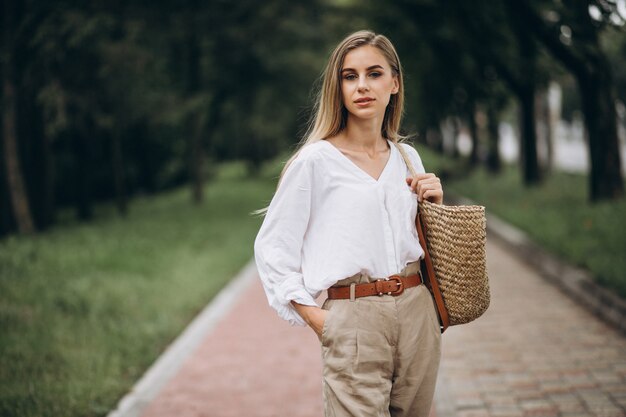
{"type": "Point", "coordinates": [426, 186]}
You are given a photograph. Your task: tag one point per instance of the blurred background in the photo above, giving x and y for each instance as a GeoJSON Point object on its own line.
{"type": "Point", "coordinates": [137, 137]}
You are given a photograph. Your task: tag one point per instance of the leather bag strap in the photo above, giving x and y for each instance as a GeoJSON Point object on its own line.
{"type": "Point", "coordinates": [428, 271]}
{"type": "Point", "coordinates": [431, 279]}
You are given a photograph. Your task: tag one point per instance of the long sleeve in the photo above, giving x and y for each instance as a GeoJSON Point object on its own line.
{"type": "Point", "coordinates": [278, 245]}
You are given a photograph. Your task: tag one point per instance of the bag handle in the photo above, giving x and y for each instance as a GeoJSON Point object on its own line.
{"type": "Point", "coordinates": [428, 270]}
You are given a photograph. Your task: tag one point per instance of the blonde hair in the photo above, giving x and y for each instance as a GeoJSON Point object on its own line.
{"type": "Point", "coordinates": [330, 115]}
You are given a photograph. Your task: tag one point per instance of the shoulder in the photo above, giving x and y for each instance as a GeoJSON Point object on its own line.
{"type": "Point", "coordinates": [310, 155]}
{"type": "Point", "coordinates": [409, 148]}
{"type": "Point", "coordinates": [306, 160]}
{"type": "Point", "coordinates": [312, 151]}
{"type": "Point", "coordinates": [413, 155]}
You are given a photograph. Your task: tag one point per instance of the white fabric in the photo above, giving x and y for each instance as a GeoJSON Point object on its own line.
{"type": "Point", "coordinates": [329, 219]}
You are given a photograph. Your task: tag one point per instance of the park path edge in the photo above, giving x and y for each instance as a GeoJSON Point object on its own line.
{"type": "Point", "coordinates": [170, 361]}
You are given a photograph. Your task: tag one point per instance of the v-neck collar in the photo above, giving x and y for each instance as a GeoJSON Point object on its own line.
{"type": "Point", "coordinates": [360, 170]}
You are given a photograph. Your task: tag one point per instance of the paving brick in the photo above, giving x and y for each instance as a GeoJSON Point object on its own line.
{"type": "Point", "coordinates": [621, 401]}
{"type": "Point", "coordinates": [571, 408]}
{"type": "Point", "coordinates": [499, 400]}
{"type": "Point", "coordinates": [609, 412]}
{"type": "Point", "coordinates": [480, 412]}
{"type": "Point", "coordinates": [506, 411]}
{"type": "Point", "coordinates": [529, 394]}
{"type": "Point", "coordinates": [463, 402]}
{"type": "Point", "coordinates": [553, 387]}
{"type": "Point", "coordinates": [541, 413]}
{"type": "Point", "coordinates": [607, 377]}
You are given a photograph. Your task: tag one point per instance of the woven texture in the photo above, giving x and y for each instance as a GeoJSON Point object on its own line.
{"type": "Point", "coordinates": [456, 237]}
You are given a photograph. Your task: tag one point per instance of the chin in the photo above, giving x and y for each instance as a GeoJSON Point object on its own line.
{"type": "Point", "coordinates": [366, 113]}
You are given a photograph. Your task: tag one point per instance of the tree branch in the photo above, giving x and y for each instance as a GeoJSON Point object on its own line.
{"type": "Point", "coordinates": [551, 41]}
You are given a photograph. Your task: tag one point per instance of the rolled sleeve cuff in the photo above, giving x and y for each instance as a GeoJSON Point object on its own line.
{"type": "Point", "coordinates": [286, 310]}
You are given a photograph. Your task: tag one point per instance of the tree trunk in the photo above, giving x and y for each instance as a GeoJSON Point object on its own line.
{"type": "Point", "coordinates": [494, 164]}
{"type": "Point", "coordinates": [434, 139]}
{"type": "Point", "coordinates": [585, 58]}
{"type": "Point", "coordinates": [528, 139]}
{"type": "Point", "coordinates": [194, 120]}
{"type": "Point", "coordinates": [146, 161]}
{"type": "Point", "coordinates": [82, 161]}
{"type": "Point", "coordinates": [197, 159]}
{"type": "Point", "coordinates": [15, 179]}
{"type": "Point", "coordinates": [605, 179]}
{"type": "Point", "coordinates": [49, 217]}
{"type": "Point", "coordinates": [473, 128]}
{"type": "Point", "coordinates": [542, 116]}
{"type": "Point", "coordinates": [117, 165]}
{"type": "Point", "coordinates": [456, 130]}
{"type": "Point", "coordinates": [555, 104]}
{"type": "Point", "coordinates": [525, 88]}
{"type": "Point", "coordinates": [7, 222]}
{"type": "Point", "coordinates": [35, 157]}
{"type": "Point", "coordinates": [213, 120]}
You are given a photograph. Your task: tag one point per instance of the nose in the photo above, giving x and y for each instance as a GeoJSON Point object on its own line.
{"type": "Point", "coordinates": [362, 86]}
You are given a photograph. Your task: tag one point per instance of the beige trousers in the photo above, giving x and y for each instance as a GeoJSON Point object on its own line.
{"type": "Point", "coordinates": [380, 354]}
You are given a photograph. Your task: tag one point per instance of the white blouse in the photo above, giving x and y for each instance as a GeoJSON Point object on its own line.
{"type": "Point", "coordinates": [329, 219]}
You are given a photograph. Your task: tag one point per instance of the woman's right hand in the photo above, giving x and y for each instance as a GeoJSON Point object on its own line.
{"type": "Point", "coordinates": [316, 319]}
{"type": "Point", "coordinates": [314, 316]}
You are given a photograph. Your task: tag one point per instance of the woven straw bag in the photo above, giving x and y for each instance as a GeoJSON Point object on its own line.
{"type": "Point", "coordinates": [454, 267]}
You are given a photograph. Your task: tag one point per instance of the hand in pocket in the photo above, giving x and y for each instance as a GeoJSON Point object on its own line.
{"type": "Point", "coordinates": [317, 320]}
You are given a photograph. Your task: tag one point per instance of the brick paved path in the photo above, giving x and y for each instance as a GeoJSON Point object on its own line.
{"type": "Point", "coordinates": [253, 364]}
{"type": "Point", "coordinates": [534, 353]}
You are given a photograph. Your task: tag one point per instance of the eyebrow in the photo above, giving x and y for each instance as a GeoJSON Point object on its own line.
{"type": "Point", "coordinates": [368, 68]}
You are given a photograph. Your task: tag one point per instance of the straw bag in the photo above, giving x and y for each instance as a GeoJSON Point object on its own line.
{"type": "Point", "coordinates": [454, 264]}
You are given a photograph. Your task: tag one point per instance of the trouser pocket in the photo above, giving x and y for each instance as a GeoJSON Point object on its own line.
{"type": "Point", "coordinates": [326, 326]}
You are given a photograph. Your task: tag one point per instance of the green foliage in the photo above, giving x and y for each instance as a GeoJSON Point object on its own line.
{"type": "Point", "coordinates": [149, 77]}
{"type": "Point", "coordinates": [556, 215]}
{"type": "Point", "coordinates": [85, 308]}
{"type": "Point", "coordinates": [112, 94]}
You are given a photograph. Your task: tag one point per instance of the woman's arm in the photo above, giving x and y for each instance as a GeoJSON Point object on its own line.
{"type": "Point", "coordinates": [278, 245]}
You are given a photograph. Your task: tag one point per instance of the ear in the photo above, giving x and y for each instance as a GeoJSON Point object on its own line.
{"type": "Point", "coordinates": [396, 85]}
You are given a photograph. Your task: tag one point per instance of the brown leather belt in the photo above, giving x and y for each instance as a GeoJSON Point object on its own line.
{"type": "Point", "coordinates": [394, 285]}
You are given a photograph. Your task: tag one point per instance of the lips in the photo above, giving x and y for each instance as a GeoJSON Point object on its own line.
{"type": "Point", "coordinates": [364, 100]}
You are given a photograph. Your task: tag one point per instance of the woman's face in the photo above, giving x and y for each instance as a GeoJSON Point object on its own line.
{"type": "Point", "coordinates": [367, 82]}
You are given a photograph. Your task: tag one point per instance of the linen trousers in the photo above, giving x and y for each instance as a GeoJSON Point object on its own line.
{"type": "Point", "coordinates": [380, 354]}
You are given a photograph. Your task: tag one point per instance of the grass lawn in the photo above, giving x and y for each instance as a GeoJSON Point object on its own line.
{"type": "Point", "coordinates": [557, 215]}
{"type": "Point", "coordinates": [86, 308]}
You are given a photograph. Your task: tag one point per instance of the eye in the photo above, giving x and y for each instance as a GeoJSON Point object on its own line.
{"type": "Point", "coordinates": [349, 77]}
{"type": "Point", "coordinates": [375, 74]}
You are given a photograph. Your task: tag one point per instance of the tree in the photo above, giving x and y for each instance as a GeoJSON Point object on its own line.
{"type": "Point", "coordinates": [572, 36]}
{"type": "Point", "coordinates": [16, 184]}
{"type": "Point", "coordinates": [499, 41]}
{"type": "Point", "coordinates": [104, 100]}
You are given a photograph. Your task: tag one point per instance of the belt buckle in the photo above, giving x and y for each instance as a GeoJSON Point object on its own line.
{"type": "Point", "coordinates": [400, 286]}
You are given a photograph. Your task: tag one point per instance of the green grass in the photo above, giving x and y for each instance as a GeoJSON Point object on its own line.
{"type": "Point", "coordinates": [556, 215]}
{"type": "Point", "coordinates": [85, 308]}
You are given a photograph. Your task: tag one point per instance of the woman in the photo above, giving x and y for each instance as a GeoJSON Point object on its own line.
{"type": "Point", "coordinates": [342, 220]}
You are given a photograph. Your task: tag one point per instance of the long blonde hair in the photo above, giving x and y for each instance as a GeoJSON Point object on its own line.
{"type": "Point", "coordinates": [330, 115]}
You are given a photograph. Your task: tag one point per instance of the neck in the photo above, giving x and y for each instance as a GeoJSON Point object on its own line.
{"type": "Point", "coordinates": [364, 133]}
